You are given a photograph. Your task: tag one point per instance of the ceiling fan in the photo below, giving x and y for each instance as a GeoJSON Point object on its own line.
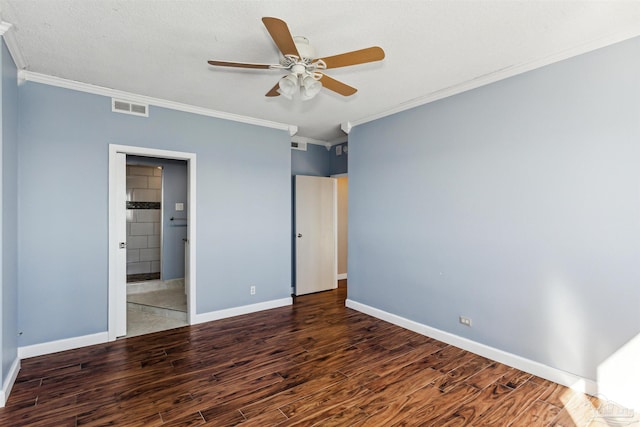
{"type": "Point", "coordinates": [304, 69]}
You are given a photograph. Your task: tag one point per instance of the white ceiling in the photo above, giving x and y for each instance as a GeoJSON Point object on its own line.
{"type": "Point", "coordinates": [160, 48]}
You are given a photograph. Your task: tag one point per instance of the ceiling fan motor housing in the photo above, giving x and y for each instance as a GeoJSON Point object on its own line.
{"type": "Point", "coordinates": [305, 50]}
{"type": "Point", "coordinates": [303, 66]}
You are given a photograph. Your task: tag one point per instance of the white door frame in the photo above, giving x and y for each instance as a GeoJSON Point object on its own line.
{"type": "Point", "coordinates": [117, 309]}
{"type": "Point", "coordinates": [339, 175]}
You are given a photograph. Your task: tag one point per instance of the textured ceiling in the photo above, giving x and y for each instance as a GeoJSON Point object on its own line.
{"type": "Point", "coordinates": [160, 48]}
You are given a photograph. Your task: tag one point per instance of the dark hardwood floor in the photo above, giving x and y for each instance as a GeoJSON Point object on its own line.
{"type": "Point", "coordinates": [314, 363]}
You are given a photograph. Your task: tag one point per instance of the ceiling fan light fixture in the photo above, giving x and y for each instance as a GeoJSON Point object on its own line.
{"type": "Point", "coordinates": [310, 87]}
{"type": "Point", "coordinates": [288, 86]}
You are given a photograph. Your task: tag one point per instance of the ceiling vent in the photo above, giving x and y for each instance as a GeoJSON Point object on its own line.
{"type": "Point", "coordinates": [126, 107]}
{"type": "Point", "coordinates": [297, 145]}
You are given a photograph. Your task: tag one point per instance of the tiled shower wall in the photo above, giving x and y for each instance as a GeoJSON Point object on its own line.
{"type": "Point", "coordinates": [144, 194]}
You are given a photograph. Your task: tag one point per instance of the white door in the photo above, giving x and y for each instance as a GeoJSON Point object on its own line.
{"type": "Point", "coordinates": [315, 230]}
{"type": "Point", "coordinates": [120, 240]}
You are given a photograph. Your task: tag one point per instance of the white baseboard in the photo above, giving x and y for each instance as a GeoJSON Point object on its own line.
{"type": "Point", "coordinates": [341, 276]}
{"type": "Point", "coordinates": [237, 311]}
{"type": "Point", "coordinates": [103, 337]}
{"type": "Point", "coordinates": [62, 345]}
{"type": "Point", "coordinates": [568, 379]}
{"type": "Point", "coordinates": [7, 385]}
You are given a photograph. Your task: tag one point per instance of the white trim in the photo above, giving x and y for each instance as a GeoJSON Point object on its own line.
{"type": "Point", "coordinates": [62, 345]}
{"type": "Point", "coordinates": [497, 75]}
{"type": "Point", "coordinates": [7, 30]}
{"type": "Point", "coordinates": [7, 385]}
{"type": "Point", "coordinates": [341, 276]}
{"type": "Point", "coordinates": [2, 284]}
{"type": "Point", "coordinates": [191, 240]}
{"type": "Point", "coordinates": [117, 322]}
{"type": "Point", "coordinates": [114, 149]}
{"type": "Point", "coordinates": [238, 311]}
{"type": "Point", "coordinates": [335, 230]}
{"type": "Point", "coordinates": [113, 93]}
{"type": "Point", "coordinates": [568, 379]}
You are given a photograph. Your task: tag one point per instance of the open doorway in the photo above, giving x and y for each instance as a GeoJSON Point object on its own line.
{"type": "Point", "coordinates": [156, 235]}
{"type": "Point", "coordinates": [320, 233]}
{"type": "Point", "coordinates": [172, 237]}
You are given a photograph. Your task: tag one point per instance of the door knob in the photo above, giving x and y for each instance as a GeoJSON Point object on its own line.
{"type": "Point", "coordinates": [299, 235]}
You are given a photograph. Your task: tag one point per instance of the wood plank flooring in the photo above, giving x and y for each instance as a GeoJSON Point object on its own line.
{"type": "Point", "coordinates": [315, 363]}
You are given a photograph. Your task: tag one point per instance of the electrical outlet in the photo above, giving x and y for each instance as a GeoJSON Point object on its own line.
{"type": "Point", "coordinates": [465, 320]}
{"type": "Point", "coordinates": [253, 290]}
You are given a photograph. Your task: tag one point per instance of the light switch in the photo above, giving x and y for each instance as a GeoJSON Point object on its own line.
{"type": "Point", "coordinates": [179, 206]}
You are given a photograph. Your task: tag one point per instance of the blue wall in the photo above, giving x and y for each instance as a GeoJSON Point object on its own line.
{"type": "Point", "coordinates": [174, 190]}
{"type": "Point", "coordinates": [9, 146]}
{"type": "Point", "coordinates": [338, 164]}
{"type": "Point", "coordinates": [243, 207]}
{"type": "Point", "coordinates": [314, 161]}
{"type": "Point", "coordinates": [515, 204]}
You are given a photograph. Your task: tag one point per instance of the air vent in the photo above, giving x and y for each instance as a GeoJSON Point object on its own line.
{"type": "Point", "coordinates": [126, 107]}
{"type": "Point", "coordinates": [295, 145]}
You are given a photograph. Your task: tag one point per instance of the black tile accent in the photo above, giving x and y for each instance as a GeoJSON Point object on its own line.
{"type": "Point", "coordinates": [143, 205]}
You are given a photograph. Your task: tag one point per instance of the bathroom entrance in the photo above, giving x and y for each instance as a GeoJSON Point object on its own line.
{"type": "Point", "coordinates": [177, 232]}
{"type": "Point", "coordinates": [156, 192]}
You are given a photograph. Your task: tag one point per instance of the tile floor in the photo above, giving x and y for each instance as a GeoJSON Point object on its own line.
{"type": "Point", "coordinates": [155, 306]}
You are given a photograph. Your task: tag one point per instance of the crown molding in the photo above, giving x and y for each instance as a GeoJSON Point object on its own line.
{"type": "Point", "coordinates": [7, 31]}
{"type": "Point", "coordinates": [498, 75]}
{"type": "Point", "coordinates": [113, 93]}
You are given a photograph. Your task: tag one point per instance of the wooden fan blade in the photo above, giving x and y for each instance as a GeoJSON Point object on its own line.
{"type": "Point", "coordinates": [281, 35]}
{"type": "Point", "coordinates": [239, 64]}
{"type": "Point", "coordinates": [337, 86]}
{"type": "Point", "coordinates": [274, 90]}
{"type": "Point", "coordinates": [361, 56]}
